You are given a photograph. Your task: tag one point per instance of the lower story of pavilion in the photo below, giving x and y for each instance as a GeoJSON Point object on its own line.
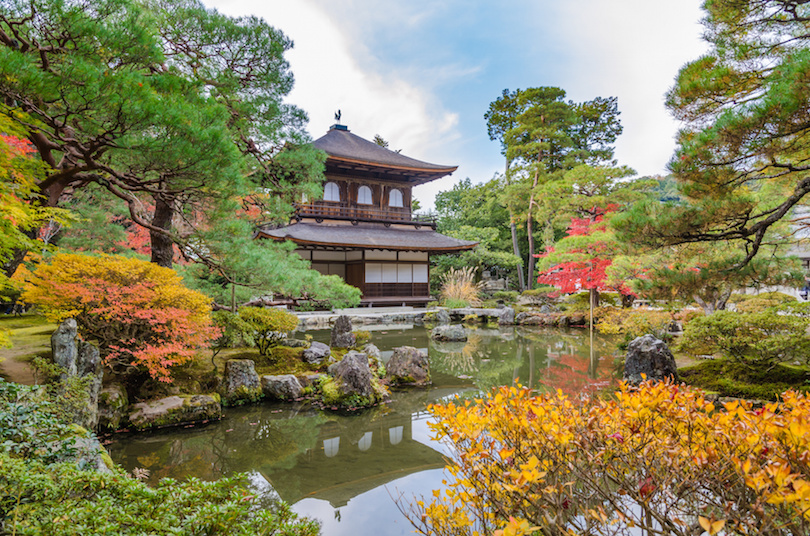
{"type": "Point", "coordinates": [390, 264]}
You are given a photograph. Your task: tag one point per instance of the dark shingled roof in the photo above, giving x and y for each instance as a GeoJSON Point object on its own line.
{"type": "Point", "coordinates": [343, 147]}
{"type": "Point", "coordinates": [367, 236]}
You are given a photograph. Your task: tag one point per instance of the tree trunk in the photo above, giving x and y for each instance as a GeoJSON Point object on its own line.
{"type": "Point", "coordinates": [162, 245]}
{"type": "Point", "coordinates": [530, 280]}
{"type": "Point", "coordinates": [513, 229]}
{"type": "Point", "coordinates": [594, 297]}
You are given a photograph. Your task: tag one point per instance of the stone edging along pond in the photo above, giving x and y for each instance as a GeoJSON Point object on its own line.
{"type": "Point", "coordinates": [342, 387]}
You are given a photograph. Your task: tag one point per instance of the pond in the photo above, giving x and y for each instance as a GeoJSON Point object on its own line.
{"type": "Point", "coordinates": [346, 470]}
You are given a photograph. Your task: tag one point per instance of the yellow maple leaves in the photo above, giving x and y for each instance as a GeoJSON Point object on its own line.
{"type": "Point", "coordinates": [660, 456]}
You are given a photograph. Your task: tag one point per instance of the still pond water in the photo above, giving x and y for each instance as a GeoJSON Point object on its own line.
{"type": "Point", "coordinates": [346, 470]}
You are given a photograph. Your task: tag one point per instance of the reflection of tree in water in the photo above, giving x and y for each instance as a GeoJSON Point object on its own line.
{"type": "Point", "coordinates": [535, 357]}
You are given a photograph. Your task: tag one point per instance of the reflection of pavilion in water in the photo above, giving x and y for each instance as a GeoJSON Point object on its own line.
{"type": "Point", "coordinates": [355, 455]}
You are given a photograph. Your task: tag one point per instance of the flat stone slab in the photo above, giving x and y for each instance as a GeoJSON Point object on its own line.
{"type": "Point", "coordinates": [174, 411]}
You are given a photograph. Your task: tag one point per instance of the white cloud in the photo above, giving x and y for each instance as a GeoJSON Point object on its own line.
{"type": "Point", "coordinates": [328, 78]}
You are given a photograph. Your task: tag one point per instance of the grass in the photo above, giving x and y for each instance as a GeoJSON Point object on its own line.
{"type": "Point", "coordinates": [734, 379]}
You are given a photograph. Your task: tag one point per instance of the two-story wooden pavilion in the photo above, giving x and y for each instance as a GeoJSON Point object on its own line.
{"type": "Point", "coordinates": [363, 229]}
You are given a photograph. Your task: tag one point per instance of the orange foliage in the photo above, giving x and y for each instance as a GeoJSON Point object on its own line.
{"type": "Point", "coordinates": [657, 460]}
{"type": "Point", "coordinates": [140, 313]}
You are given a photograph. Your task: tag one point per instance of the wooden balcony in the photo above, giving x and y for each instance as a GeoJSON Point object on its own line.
{"type": "Point", "coordinates": [321, 210]}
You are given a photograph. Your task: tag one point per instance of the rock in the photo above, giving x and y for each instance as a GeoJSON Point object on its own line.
{"type": "Point", "coordinates": [112, 407]}
{"type": "Point", "coordinates": [408, 365]}
{"type": "Point", "coordinates": [307, 380]}
{"type": "Point", "coordinates": [353, 375]}
{"type": "Point", "coordinates": [342, 336]}
{"type": "Point", "coordinates": [81, 360]}
{"type": "Point", "coordinates": [507, 316]}
{"type": "Point", "coordinates": [294, 343]}
{"type": "Point", "coordinates": [650, 356]}
{"type": "Point", "coordinates": [85, 451]}
{"type": "Point", "coordinates": [317, 353]}
{"type": "Point", "coordinates": [175, 410]}
{"type": "Point", "coordinates": [452, 332]}
{"type": "Point", "coordinates": [441, 317]}
{"type": "Point", "coordinates": [372, 352]}
{"type": "Point", "coordinates": [241, 383]}
{"type": "Point", "coordinates": [545, 309]}
{"type": "Point", "coordinates": [283, 387]}
{"type": "Point", "coordinates": [64, 347]}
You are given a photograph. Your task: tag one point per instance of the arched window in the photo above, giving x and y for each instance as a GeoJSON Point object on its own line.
{"type": "Point", "coordinates": [395, 198]}
{"type": "Point", "coordinates": [331, 192]}
{"type": "Point", "coordinates": [364, 195]}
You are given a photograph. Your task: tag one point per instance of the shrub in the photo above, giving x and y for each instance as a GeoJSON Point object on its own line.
{"type": "Point", "coordinates": [753, 303]}
{"type": "Point", "coordinates": [268, 326]}
{"type": "Point", "coordinates": [458, 285]}
{"type": "Point", "coordinates": [763, 338]}
{"type": "Point", "coordinates": [632, 323]}
{"type": "Point", "coordinates": [454, 303]}
{"type": "Point", "coordinates": [507, 296]}
{"type": "Point", "coordinates": [657, 460]}
{"type": "Point", "coordinates": [140, 313]}
{"type": "Point", "coordinates": [234, 331]}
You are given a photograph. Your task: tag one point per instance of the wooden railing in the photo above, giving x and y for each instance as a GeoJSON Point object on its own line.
{"type": "Point", "coordinates": [345, 211]}
{"type": "Point", "coordinates": [404, 290]}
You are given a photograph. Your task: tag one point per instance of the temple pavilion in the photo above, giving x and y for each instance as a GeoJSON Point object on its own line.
{"type": "Point", "coordinates": [363, 229]}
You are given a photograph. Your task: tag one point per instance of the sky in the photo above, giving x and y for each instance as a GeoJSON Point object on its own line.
{"type": "Point", "coordinates": [422, 73]}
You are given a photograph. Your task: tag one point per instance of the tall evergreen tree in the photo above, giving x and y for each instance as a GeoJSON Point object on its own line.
{"type": "Point", "coordinates": [175, 109]}
{"type": "Point", "coordinates": [743, 157]}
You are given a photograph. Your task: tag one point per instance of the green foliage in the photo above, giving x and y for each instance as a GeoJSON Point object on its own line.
{"type": "Point", "coordinates": [731, 378]}
{"type": "Point", "coordinates": [361, 338]}
{"type": "Point", "coordinates": [753, 303]}
{"type": "Point", "coordinates": [507, 296]}
{"type": "Point", "coordinates": [269, 326]}
{"type": "Point", "coordinates": [633, 323]}
{"type": "Point", "coordinates": [62, 500]}
{"type": "Point", "coordinates": [32, 424]}
{"type": "Point", "coordinates": [234, 331]}
{"type": "Point", "coordinates": [741, 159]}
{"type": "Point", "coordinates": [761, 338]}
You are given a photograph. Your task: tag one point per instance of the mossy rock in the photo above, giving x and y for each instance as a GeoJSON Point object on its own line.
{"type": "Point", "coordinates": [729, 378]}
{"type": "Point", "coordinates": [174, 411]}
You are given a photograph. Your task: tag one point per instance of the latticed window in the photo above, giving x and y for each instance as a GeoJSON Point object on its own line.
{"type": "Point", "coordinates": [331, 192]}
{"type": "Point", "coordinates": [364, 196]}
{"type": "Point", "coordinates": [395, 198]}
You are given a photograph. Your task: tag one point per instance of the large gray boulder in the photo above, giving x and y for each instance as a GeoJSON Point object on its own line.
{"type": "Point", "coordinates": [507, 316]}
{"type": "Point", "coordinates": [80, 360]}
{"type": "Point", "coordinates": [408, 365]}
{"type": "Point", "coordinates": [174, 411]}
{"type": "Point", "coordinates": [453, 332]}
{"type": "Point", "coordinates": [112, 407]}
{"type": "Point", "coordinates": [316, 353]}
{"type": "Point", "coordinates": [282, 387]}
{"type": "Point", "coordinates": [342, 336]}
{"type": "Point", "coordinates": [649, 356]}
{"type": "Point", "coordinates": [353, 375]}
{"type": "Point", "coordinates": [441, 317]}
{"type": "Point", "coordinates": [241, 383]}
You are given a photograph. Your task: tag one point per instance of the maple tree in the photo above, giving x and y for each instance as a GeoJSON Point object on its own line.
{"type": "Point", "coordinates": [580, 260]}
{"type": "Point", "coordinates": [140, 314]}
{"type": "Point", "coordinates": [659, 459]}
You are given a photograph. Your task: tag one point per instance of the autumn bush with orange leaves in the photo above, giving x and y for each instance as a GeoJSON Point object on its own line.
{"type": "Point", "coordinates": [660, 459]}
{"type": "Point", "coordinates": [139, 313]}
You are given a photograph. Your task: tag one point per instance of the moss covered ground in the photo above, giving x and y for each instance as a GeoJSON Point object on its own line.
{"type": "Point", "coordinates": [735, 379]}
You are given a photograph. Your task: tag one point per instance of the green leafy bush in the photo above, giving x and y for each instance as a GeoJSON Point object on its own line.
{"type": "Point", "coordinates": [752, 303]}
{"type": "Point", "coordinates": [507, 296]}
{"type": "Point", "coordinates": [32, 425]}
{"type": "Point", "coordinates": [632, 323]}
{"type": "Point", "coordinates": [234, 331]}
{"type": "Point", "coordinates": [762, 338]}
{"type": "Point", "coordinates": [61, 500]}
{"type": "Point", "coordinates": [455, 303]}
{"type": "Point", "coordinates": [268, 327]}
